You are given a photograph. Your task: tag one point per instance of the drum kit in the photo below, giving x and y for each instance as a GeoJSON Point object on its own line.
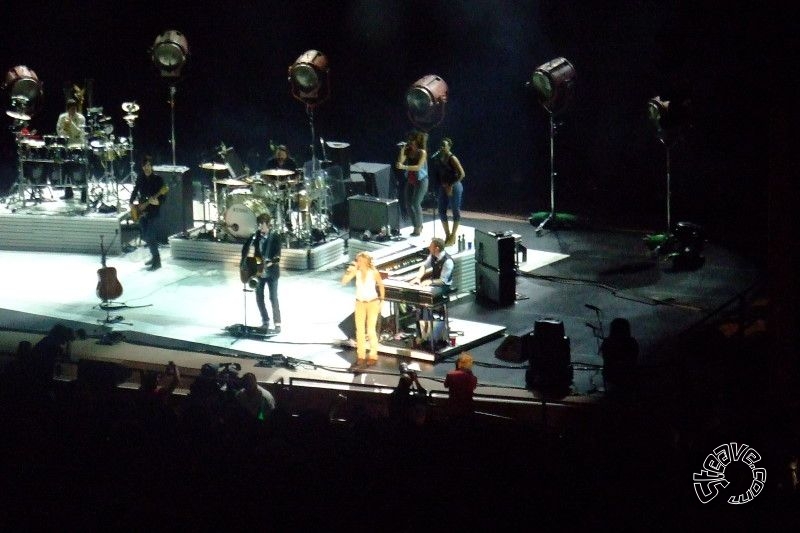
{"type": "Point", "coordinates": [299, 207]}
{"type": "Point", "coordinates": [47, 161]}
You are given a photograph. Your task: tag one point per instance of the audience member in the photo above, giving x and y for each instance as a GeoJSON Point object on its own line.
{"type": "Point", "coordinates": [408, 401]}
{"type": "Point", "coordinates": [255, 399]}
{"type": "Point", "coordinates": [461, 383]}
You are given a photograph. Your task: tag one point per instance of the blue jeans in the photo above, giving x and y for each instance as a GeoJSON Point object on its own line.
{"type": "Point", "coordinates": [453, 202]}
{"type": "Point", "coordinates": [272, 285]}
{"type": "Point", "coordinates": [414, 196]}
{"type": "Point", "coordinates": [149, 228]}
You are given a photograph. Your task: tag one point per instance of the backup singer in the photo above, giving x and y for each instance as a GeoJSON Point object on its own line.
{"type": "Point", "coordinates": [151, 190]}
{"type": "Point", "coordinates": [451, 189]}
{"type": "Point", "coordinates": [265, 245]}
{"type": "Point", "coordinates": [370, 294]}
{"type": "Point", "coordinates": [413, 159]}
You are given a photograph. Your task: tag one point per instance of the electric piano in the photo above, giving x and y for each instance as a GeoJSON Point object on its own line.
{"type": "Point", "coordinates": [402, 265]}
{"type": "Point", "coordinates": [423, 295]}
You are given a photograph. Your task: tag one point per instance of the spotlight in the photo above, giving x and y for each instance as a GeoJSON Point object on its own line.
{"type": "Point", "coordinates": [425, 101]}
{"type": "Point", "coordinates": [554, 83]}
{"type": "Point", "coordinates": [169, 53]}
{"type": "Point", "coordinates": [309, 78]}
{"type": "Point", "coordinates": [24, 91]}
{"type": "Point", "coordinates": [667, 118]}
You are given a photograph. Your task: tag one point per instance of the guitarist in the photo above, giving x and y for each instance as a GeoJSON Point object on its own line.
{"type": "Point", "coordinates": [265, 246]}
{"type": "Point", "coordinates": [150, 190]}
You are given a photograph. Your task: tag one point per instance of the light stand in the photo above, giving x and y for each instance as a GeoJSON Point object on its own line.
{"type": "Point", "coordinates": [131, 109]}
{"type": "Point", "coordinates": [172, 91]}
{"type": "Point", "coordinates": [554, 83]}
{"type": "Point", "coordinates": [169, 54]}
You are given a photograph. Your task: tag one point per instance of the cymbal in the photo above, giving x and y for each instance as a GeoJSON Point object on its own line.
{"type": "Point", "coordinates": [128, 118]}
{"type": "Point", "coordinates": [277, 172]}
{"type": "Point", "coordinates": [212, 166]}
{"type": "Point", "coordinates": [230, 182]}
{"type": "Point", "coordinates": [18, 115]}
{"type": "Point", "coordinates": [334, 144]}
{"type": "Point", "coordinates": [130, 107]}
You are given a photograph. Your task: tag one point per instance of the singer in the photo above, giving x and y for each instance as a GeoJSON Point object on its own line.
{"type": "Point", "coordinates": [265, 244]}
{"type": "Point", "coordinates": [451, 189]}
{"type": "Point", "coordinates": [370, 293]}
{"type": "Point", "coordinates": [413, 159]}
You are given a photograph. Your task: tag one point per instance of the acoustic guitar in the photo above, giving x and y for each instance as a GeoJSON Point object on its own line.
{"type": "Point", "coordinates": [108, 286]}
{"type": "Point", "coordinates": [138, 210]}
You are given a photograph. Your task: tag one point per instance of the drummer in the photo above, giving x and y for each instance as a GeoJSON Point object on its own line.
{"type": "Point", "coordinates": [281, 160]}
{"type": "Point", "coordinates": [71, 125]}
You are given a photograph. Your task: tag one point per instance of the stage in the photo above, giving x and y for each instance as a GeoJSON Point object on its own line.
{"type": "Point", "coordinates": [181, 311]}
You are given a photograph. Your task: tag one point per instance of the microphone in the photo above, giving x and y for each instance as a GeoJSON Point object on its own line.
{"type": "Point", "coordinates": [402, 143]}
{"type": "Point", "coordinates": [436, 154]}
{"type": "Point", "coordinates": [592, 307]}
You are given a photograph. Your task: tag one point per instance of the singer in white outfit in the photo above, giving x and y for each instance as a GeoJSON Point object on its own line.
{"type": "Point", "coordinates": [370, 294]}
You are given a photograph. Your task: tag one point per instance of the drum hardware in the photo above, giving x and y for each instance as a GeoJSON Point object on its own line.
{"type": "Point", "coordinates": [131, 110]}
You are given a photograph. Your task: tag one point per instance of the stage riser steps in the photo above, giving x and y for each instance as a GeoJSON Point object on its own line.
{"type": "Point", "coordinates": [54, 233]}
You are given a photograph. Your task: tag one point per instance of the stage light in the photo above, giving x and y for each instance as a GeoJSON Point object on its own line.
{"type": "Point", "coordinates": [667, 118]}
{"type": "Point", "coordinates": [309, 78]}
{"type": "Point", "coordinates": [169, 53]}
{"type": "Point", "coordinates": [425, 101]}
{"type": "Point", "coordinates": [554, 83]}
{"type": "Point", "coordinates": [24, 91]}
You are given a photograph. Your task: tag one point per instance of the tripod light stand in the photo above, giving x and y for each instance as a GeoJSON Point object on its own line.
{"type": "Point", "coordinates": [554, 84]}
{"type": "Point", "coordinates": [25, 94]}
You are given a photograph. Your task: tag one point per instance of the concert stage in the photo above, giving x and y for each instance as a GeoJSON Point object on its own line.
{"type": "Point", "coordinates": [180, 312]}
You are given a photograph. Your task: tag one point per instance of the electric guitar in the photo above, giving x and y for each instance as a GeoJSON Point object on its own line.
{"type": "Point", "coordinates": [138, 210]}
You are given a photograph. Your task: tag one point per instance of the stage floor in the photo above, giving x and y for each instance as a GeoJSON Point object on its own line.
{"type": "Point", "coordinates": [180, 312]}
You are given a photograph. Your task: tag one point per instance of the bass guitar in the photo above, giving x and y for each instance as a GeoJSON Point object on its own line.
{"type": "Point", "coordinates": [108, 286]}
{"type": "Point", "coordinates": [138, 210]}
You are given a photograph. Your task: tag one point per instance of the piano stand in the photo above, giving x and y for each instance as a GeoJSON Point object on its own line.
{"type": "Point", "coordinates": [427, 320]}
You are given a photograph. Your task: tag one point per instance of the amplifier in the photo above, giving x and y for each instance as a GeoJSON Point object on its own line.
{"type": "Point", "coordinates": [495, 249]}
{"type": "Point", "coordinates": [175, 215]}
{"type": "Point", "coordinates": [373, 214]}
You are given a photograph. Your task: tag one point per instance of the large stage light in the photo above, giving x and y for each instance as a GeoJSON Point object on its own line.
{"type": "Point", "coordinates": [667, 118]}
{"type": "Point", "coordinates": [425, 101]}
{"type": "Point", "coordinates": [309, 78]}
{"type": "Point", "coordinates": [169, 53]}
{"type": "Point", "coordinates": [24, 92]}
{"type": "Point", "coordinates": [554, 83]}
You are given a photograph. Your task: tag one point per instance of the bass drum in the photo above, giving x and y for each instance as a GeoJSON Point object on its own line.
{"type": "Point", "coordinates": [241, 213]}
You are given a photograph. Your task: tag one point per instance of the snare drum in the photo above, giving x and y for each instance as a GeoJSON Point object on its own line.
{"type": "Point", "coordinates": [241, 213]}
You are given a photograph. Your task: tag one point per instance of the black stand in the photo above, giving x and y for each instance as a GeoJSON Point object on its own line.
{"type": "Point", "coordinates": [243, 330]}
{"type": "Point", "coordinates": [551, 217]}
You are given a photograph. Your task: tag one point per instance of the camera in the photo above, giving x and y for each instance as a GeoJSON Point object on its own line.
{"type": "Point", "coordinates": [410, 369]}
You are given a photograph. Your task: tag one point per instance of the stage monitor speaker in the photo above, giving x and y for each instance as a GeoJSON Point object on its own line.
{"type": "Point", "coordinates": [373, 214]}
{"type": "Point", "coordinates": [550, 364]}
{"type": "Point", "coordinates": [494, 250]}
{"type": "Point", "coordinates": [499, 286]}
{"type": "Point", "coordinates": [516, 347]}
{"type": "Point", "coordinates": [348, 326]}
{"type": "Point", "coordinates": [175, 215]}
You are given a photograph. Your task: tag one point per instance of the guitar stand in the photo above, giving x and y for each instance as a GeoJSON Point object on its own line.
{"type": "Point", "coordinates": [107, 306]}
{"type": "Point", "coordinates": [243, 330]}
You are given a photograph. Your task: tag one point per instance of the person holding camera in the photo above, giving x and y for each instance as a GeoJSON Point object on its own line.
{"type": "Point", "coordinates": [408, 400]}
{"type": "Point", "coordinates": [370, 293]}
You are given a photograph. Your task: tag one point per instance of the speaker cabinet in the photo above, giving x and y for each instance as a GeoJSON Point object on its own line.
{"type": "Point", "coordinates": [339, 155]}
{"type": "Point", "coordinates": [373, 214]}
{"type": "Point", "coordinates": [175, 215]}
{"type": "Point", "coordinates": [494, 250]}
{"type": "Point", "coordinates": [516, 347]}
{"type": "Point", "coordinates": [499, 286]}
{"type": "Point", "coordinates": [550, 365]}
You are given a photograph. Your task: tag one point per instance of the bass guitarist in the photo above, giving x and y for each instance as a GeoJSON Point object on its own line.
{"type": "Point", "coordinates": [150, 190]}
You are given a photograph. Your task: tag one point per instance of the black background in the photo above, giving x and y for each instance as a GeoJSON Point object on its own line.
{"type": "Point", "coordinates": [610, 165]}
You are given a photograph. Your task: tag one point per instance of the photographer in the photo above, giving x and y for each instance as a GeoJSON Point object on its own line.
{"type": "Point", "coordinates": [408, 401]}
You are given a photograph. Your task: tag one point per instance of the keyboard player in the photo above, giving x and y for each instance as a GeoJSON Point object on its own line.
{"type": "Point", "coordinates": [439, 262]}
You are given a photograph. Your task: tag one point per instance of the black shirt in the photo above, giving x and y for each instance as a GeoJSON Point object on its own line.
{"type": "Point", "coordinates": [147, 187]}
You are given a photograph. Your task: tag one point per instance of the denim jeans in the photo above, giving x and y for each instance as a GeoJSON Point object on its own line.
{"type": "Point", "coordinates": [414, 195]}
{"type": "Point", "coordinates": [453, 202]}
{"type": "Point", "coordinates": [272, 285]}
